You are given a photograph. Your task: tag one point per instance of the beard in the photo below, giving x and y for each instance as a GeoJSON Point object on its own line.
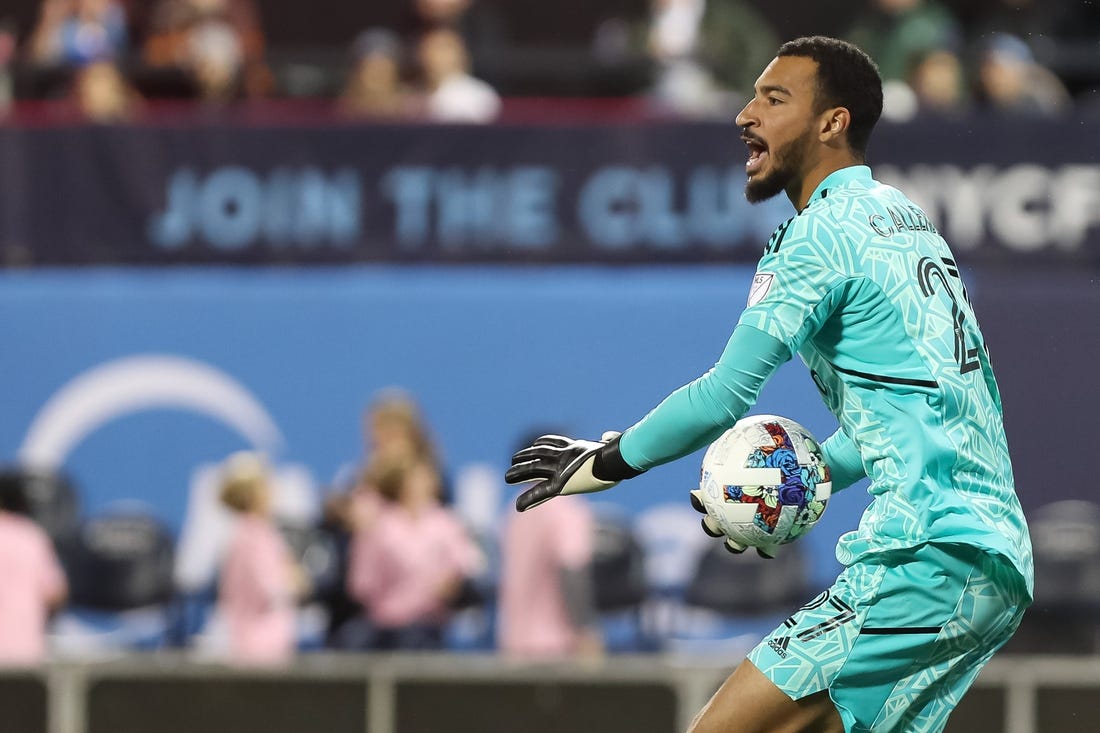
{"type": "Point", "coordinates": [787, 164]}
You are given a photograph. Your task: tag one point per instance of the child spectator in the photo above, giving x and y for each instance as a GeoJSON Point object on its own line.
{"type": "Point", "coordinates": [547, 599]}
{"type": "Point", "coordinates": [547, 604]}
{"type": "Point", "coordinates": [260, 583]}
{"type": "Point", "coordinates": [409, 566]}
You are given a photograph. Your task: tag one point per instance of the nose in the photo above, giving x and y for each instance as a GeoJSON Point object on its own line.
{"type": "Point", "coordinates": [745, 117]}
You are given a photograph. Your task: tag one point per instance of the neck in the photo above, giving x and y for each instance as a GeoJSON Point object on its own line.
{"type": "Point", "coordinates": [801, 189]}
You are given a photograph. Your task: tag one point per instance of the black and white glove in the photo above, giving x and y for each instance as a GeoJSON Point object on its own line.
{"type": "Point", "coordinates": [566, 466]}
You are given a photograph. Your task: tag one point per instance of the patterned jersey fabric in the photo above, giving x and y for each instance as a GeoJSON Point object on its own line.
{"type": "Point", "coordinates": [861, 285]}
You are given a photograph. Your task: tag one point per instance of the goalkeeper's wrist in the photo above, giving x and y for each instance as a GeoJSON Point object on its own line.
{"type": "Point", "coordinates": [610, 465]}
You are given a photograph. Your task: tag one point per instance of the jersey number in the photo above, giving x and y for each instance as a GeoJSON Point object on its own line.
{"type": "Point", "coordinates": [930, 276]}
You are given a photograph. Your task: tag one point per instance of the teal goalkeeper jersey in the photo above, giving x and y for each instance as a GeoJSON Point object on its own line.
{"type": "Point", "coordinates": [864, 289]}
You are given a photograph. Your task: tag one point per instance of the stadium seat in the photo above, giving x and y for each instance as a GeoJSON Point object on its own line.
{"type": "Point", "coordinates": [618, 567]}
{"type": "Point", "coordinates": [1065, 537]}
{"type": "Point", "coordinates": [732, 600]}
{"type": "Point", "coordinates": [747, 584]}
{"type": "Point", "coordinates": [619, 579]}
{"type": "Point", "coordinates": [121, 590]}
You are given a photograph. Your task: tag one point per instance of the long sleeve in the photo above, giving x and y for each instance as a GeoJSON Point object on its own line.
{"type": "Point", "coordinates": [699, 412]}
{"type": "Point", "coordinates": [844, 461]}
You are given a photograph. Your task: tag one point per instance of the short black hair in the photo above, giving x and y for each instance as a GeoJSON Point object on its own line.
{"type": "Point", "coordinates": [846, 77]}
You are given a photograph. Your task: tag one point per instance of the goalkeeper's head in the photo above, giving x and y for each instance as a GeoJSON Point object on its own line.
{"type": "Point", "coordinates": [813, 109]}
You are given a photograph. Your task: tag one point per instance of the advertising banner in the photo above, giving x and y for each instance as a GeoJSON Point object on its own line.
{"type": "Point", "coordinates": [510, 194]}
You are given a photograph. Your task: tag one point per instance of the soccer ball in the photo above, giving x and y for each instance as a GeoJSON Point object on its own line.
{"type": "Point", "coordinates": [764, 483]}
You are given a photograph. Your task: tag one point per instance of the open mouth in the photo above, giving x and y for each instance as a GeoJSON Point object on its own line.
{"type": "Point", "coordinates": [758, 152]}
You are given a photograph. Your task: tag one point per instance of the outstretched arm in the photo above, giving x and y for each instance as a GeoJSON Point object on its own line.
{"type": "Point", "coordinates": [685, 421]}
{"type": "Point", "coordinates": [698, 413]}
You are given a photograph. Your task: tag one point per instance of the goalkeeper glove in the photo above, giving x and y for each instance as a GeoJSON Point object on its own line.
{"type": "Point", "coordinates": [567, 466]}
{"type": "Point", "coordinates": [711, 528]}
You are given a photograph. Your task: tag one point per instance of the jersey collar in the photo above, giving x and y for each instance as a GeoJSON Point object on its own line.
{"type": "Point", "coordinates": [839, 178]}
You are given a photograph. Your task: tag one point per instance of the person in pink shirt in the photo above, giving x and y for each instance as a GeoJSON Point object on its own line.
{"type": "Point", "coordinates": [393, 430]}
{"type": "Point", "coordinates": [409, 566]}
{"type": "Point", "coordinates": [545, 607]}
{"type": "Point", "coordinates": [260, 583]}
{"type": "Point", "coordinates": [33, 584]}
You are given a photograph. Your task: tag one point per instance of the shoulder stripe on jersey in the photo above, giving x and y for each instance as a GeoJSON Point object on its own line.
{"type": "Point", "coordinates": [780, 233]}
{"type": "Point", "coordinates": [929, 383]}
{"type": "Point", "coordinates": [883, 630]}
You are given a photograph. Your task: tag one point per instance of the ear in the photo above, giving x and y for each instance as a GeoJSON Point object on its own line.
{"type": "Point", "coordinates": [834, 125]}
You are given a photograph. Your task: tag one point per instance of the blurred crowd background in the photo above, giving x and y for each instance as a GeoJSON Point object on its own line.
{"type": "Point", "coordinates": [480, 60]}
{"type": "Point", "coordinates": [385, 558]}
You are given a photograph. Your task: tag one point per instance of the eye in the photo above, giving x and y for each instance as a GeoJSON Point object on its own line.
{"type": "Point", "coordinates": [772, 101]}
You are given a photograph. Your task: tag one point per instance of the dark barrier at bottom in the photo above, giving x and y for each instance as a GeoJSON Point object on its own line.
{"type": "Point", "coordinates": [471, 693]}
{"type": "Point", "coordinates": [23, 704]}
{"type": "Point", "coordinates": [981, 711]}
{"type": "Point", "coordinates": [225, 705]}
{"type": "Point", "coordinates": [1069, 709]}
{"type": "Point", "coordinates": [550, 707]}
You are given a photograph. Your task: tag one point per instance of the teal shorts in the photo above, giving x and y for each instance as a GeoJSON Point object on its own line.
{"type": "Point", "coordinates": [900, 637]}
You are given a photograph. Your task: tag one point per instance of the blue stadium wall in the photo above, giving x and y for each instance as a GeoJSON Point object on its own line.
{"type": "Point", "coordinates": [488, 351]}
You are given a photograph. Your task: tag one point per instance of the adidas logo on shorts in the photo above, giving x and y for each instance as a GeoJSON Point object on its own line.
{"type": "Point", "coordinates": [779, 646]}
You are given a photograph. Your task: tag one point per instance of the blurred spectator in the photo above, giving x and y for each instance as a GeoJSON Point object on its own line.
{"type": "Point", "coordinates": [735, 40]}
{"type": "Point", "coordinates": [393, 431]}
{"type": "Point", "coordinates": [708, 53]}
{"type": "Point", "coordinates": [479, 24]}
{"type": "Point", "coordinates": [451, 93]}
{"type": "Point", "coordinates": [260, 583]}
{"type": "Point", "coordinates": [410, 566]}
{"type": "Point", "coordinates": [896, 32]}
{"type": "Point", "coordinates": [215, 57]}
{"type": "Point", "coordinates": [33, 582]}
{"type": "Point", "coordinates": [7, 56]}
{"type": "Point", "coordinates": [78, 32]}
{"type": "Point", "coordinates": [374, 87]}
{"type": "Point", "coordinates": [546, 602]}
{"type": "Point", "coordinates": [938, 81]}
{"type": "Point", "coordinates": [103, 95]}
{"type": "Point", "coordinates": [219, 43]}
{"type": "Point", "coordinates": [440, 13]}
{"type": "Point", "coordinates": [396, 428]}
{"type": "Point", "coordinates": [934, 86]}
{"type": "Point", "coordinates": [1011, 82]}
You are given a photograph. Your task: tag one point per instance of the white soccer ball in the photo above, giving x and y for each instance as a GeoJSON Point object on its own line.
{"type": "Point", "coordinates": [764, 483]}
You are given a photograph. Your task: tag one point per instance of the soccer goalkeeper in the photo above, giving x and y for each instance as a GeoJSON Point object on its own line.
{"type": "Point", "coordinates": [860, 284]}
